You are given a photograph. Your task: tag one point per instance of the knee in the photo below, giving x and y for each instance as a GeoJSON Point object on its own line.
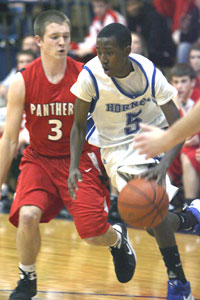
{"type": "Point", "coordinates": [29, 217]}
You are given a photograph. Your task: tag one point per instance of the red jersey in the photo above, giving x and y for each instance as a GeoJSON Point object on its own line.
{"type": "Point", "coordinates": [197, 82]}
{"type": "Point", "coordinates": [195, 94]}
{"type": "Point", "coordinates": [50, 108]}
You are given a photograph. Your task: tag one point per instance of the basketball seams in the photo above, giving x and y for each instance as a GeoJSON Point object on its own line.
{"type": "Point", "coordinates": [152, 183]}
{"type": "Point", "coordinates": [141, 193]}
{"type": "Point", "coordinates": [151, 212]}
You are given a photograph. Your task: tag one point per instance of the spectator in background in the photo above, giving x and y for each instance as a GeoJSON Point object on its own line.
{"type": "Point", "coordinates": [104, 15]}
{"type": "Point", "coordinates": [29, 43]}
{"type": "Point", "coordinates": [138, 44]}
{"type": "Point", "coordinates": [194, 61]}
{"type": "Point", "coordinates": [190, 31]}
{"type": "Point", "coordinates": [23, 58]}
{"type": "Point", "coordinates": [185, 169]}
{"type": "Point", "coordinates": [174, 9]}
{"type": "Point", "coordinates": [145, 20]}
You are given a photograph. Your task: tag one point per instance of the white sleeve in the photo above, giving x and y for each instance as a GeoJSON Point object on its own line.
{"type": "Point", "coordinates": [83, 88]}
{"type": "Point", "coordinates": [164, 91]}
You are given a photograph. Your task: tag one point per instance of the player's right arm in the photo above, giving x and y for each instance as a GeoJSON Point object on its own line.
{"type": "Point", "coordinates": [9, 140]}
{"type": "Point", "coordinates": [153, 140]}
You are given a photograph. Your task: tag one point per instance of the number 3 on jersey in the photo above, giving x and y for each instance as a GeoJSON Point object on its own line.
{"type": "Point", "coordinates": [56, 130]}
{"type": "Point", "coordinates": [132, 122]}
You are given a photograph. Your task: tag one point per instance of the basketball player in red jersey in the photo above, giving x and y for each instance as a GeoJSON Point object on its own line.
{"type": "Point", "coordinates": [42, 89]}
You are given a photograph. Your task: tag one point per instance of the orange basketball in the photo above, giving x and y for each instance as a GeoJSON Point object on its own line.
{"type": "Point", "coordinates": [143, 203]}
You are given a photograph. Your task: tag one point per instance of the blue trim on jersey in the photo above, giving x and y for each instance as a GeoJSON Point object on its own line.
{"type": "Point", "coordinates": [153, 82]}
{"type": "Point", "coordinates": [94, 100]}
{"type": "Point", "coordinates": [90, 127]}
{"type": "Point", "coordinates": [132, 96]}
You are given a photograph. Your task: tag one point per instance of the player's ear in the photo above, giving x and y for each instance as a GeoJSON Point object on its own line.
{"type": "Point", "coordinates": [38, 40]}
{"type": "Point", "coordinates": [128, 50]}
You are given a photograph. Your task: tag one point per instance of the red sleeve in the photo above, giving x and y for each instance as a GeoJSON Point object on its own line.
{"type": "Point", "coordinates": [174, 9]}
{"type": "Point", "coordinates": [165, 8]}
{"type": "Point", "coordinates": [182, 8]}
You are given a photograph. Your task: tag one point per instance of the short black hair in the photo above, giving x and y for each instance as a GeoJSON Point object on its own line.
{"type": "Point", "coordinates": [182, 69]}
{"type": "Point", "coordinates": [120, 32]}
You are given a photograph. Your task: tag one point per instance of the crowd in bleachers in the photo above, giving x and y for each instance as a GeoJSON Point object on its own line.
{"type": "Point", "coordinates": [165, 31]}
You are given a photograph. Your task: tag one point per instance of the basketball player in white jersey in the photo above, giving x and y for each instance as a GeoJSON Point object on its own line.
{"type": "Point", "coordinates": [119, 90]}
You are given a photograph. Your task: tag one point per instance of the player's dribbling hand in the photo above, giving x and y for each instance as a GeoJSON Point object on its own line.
{"type": "Point", "coordinates": [157, 173]}
{"type": "Point", "coordinates": [74, 176]}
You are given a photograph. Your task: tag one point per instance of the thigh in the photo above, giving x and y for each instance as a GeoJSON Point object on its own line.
{"type": "Point", "coordinates": [35, 187]}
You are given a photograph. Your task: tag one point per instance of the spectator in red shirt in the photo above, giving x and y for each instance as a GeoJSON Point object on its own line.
{"type": "Point", "coordinates": [194, 61]}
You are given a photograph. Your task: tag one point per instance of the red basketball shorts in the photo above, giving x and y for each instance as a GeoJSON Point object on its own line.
{"type": "Point", "coordinates": [175, 169]}
{"type": "Point", "coordinates": [43, 183]}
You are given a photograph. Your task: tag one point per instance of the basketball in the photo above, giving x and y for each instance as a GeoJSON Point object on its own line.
{"type": "Point", "coordinates": [143, 203]}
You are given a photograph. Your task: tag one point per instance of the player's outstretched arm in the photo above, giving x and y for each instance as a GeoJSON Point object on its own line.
{"type": "Point", "coordinates": [154, 141]}
{"type": "Point", "coordinates": [151, 141]}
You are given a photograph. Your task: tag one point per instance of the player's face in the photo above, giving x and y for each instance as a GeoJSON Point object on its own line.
{"type": "Point", "coordinates": [56, 40]}
{"type": "Point", "coordinates": [114, 59]}
{"type": "Point", "coordinates": [194, 59]}
{"type": "Point", "coordinates": [184, 86]}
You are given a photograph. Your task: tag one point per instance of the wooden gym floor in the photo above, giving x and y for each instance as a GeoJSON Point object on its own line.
{"type": "Point", "coordinates": [69, 269]}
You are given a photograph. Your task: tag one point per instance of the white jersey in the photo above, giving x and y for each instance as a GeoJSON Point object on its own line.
{"type": "Point", "coordinates": [119, 105]}
{"type": "Point", "coordinates": [117, 108]}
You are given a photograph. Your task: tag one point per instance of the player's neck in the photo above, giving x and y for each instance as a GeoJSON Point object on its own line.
{"type": "Point", "coordinates": [54, 69]}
